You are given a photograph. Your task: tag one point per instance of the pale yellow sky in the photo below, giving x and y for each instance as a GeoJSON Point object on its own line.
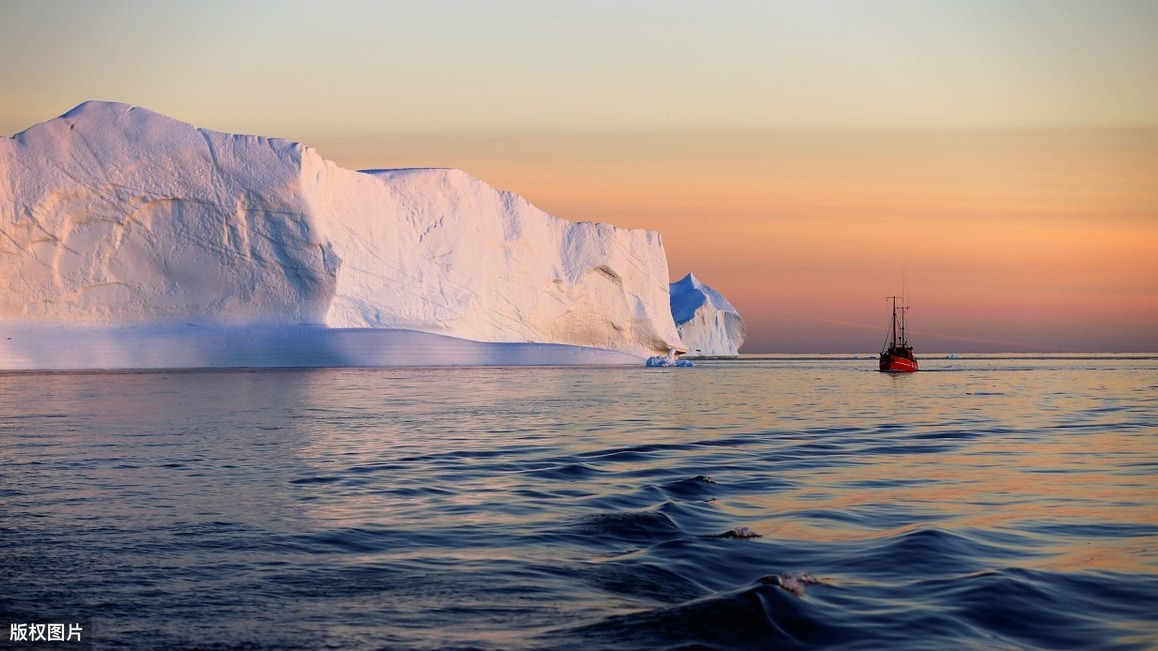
{"type": "Point", "coordinates": [799, 156]}
{"type": "Point", "coordinates": [292, 68]}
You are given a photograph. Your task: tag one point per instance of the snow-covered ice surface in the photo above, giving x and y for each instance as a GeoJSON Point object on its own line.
{"type": "Point", "coordinates": [116, 219]}
{"type": "Point", "coordinates": [709, 325]}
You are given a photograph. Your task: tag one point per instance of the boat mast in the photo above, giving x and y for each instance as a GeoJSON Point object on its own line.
{"type": "Point", "coordinates": [893, 327]}
{"type": "Point", "coordinates": [904, 341]}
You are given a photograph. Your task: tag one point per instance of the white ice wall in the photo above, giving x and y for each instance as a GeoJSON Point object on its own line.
{"type": "Point", "coordinates": [115, 215]}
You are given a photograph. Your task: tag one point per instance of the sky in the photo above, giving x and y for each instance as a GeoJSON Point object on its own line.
{"type": "Point", "coordinates": [995, 160]}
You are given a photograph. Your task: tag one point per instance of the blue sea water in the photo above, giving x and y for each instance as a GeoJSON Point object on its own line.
{"type": "Point", "coordinates": [984, 502]}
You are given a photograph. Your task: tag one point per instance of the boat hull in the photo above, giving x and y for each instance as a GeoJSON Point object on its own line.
{"type": "Point", "coordinates": [897, 364]}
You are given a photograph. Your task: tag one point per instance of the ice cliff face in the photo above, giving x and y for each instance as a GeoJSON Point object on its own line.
{"type": "Point", "coordinates": [707, 322]}
{"type": "Point", "coordinates": [115, 215]}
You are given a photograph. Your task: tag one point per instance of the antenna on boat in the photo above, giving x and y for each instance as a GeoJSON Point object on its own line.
{"type": "Point", "coordinates": [904, 305]}
{"type": "Point", "coordinates": [904, 290]}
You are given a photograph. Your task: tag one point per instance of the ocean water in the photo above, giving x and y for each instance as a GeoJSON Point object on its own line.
{"type": "Point", "coordinates": [984, 502]}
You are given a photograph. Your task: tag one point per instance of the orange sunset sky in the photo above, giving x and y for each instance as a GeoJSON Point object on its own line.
{"type": "Point", "coordinates": [997, 159]}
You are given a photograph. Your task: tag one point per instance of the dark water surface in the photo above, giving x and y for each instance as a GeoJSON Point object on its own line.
{"type": "Point", "coordinates": [986, 502]}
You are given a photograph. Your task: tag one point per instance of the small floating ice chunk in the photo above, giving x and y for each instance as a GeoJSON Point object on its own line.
{"type": "Point", "coordinates": [661, 360]}
{"type": "Point", "coordinates": [739, 532]}
{"type": "Point", "coordinates": [793, 582]}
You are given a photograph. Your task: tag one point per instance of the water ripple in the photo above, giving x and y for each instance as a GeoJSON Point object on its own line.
{"type": "Point", "coordinates": [763, 503]}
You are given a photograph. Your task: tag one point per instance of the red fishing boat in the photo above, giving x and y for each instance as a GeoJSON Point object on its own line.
{"type": "Point", "coordinates": [897, 356]}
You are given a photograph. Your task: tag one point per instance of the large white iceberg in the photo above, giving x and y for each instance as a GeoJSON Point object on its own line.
{"type": "Point", "coordinates": [115, 220]}
{"type": "Point", "coordinates": [709, 325]}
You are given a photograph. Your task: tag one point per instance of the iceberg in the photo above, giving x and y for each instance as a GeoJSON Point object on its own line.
{"type": "Point", "coordinates": [119, 224]}
{"type": "Point", "coordinates": [708, 324]}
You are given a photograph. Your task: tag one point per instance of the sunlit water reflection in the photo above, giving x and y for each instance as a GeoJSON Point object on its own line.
{"type": "Point", "coordinates": [997, 501]}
